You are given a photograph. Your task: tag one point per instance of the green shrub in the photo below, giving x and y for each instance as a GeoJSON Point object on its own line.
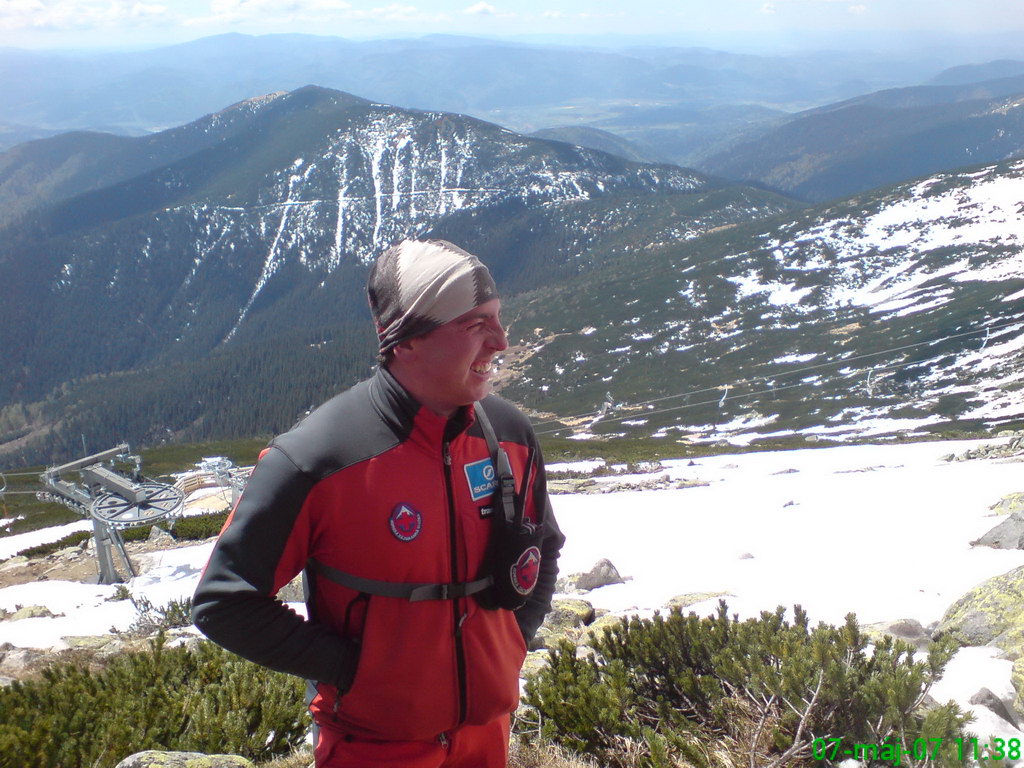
{"type": "Point", "coordinates": [71, 540]}
{"type": "Point", "coordinates": [137, 534]}
{"type": "Point", "coordinates": [200, 699]}
{"type": "Point", "coordinates": [152, 618]}
{"type": "Point", "coordinates": [716, 691]}
{"type": "Point", "coordinates": [199, 527]}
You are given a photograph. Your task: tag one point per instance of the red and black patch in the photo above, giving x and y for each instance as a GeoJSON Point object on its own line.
{"type": "Point", "coordinates": [405, 522]}
{"type": "Point", "coordinates": [525, 571]}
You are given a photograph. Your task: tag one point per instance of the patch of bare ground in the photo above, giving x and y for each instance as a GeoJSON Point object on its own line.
{"type": "Point", "coordinates": [77, 563]}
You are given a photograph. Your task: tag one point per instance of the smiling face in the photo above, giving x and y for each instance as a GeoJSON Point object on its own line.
{"type": "Point", "coordinates": [452, 365]}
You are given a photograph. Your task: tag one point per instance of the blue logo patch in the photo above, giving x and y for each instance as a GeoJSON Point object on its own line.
{"type": "Point", "coordinates": [481, 478]}
{"type": "Point", "coordinates": [405, 522]}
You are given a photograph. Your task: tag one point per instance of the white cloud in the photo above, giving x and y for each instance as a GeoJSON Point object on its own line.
{"type": "Point", "coordinates": [858, 10]}
{"type": "Point", "coordinates": [768, 8]}
{"type": "Point", "coordinates": [309, 11]}
{"type": "Point", "coordinates": [481, 9]}
{"type": "Point", "coordinates": [79, 14]}
{"type": "Point", "coordinates": [486, 9]}
{"type": "Point", "coordinates": [554, 15]}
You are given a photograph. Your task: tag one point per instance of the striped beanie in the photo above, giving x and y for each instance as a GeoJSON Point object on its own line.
{"type": "Point", "coordinates": [417, 285]}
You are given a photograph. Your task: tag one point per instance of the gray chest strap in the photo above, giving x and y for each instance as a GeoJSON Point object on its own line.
{"type": "Point", "coordinates": [411, 591]}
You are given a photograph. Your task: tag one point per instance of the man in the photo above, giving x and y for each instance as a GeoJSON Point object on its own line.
{"type": "Point", "coordinates": [389, 497]}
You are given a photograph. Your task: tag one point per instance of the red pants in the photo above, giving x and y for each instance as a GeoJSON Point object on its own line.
{"type": "Point", "coordinates": [471, 746]}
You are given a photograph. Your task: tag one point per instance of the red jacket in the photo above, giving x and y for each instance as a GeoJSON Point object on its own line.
{"type": "Point", "coordinates": [375, 486]}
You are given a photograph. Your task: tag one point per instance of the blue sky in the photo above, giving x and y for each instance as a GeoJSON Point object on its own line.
{"type": "Point", "coordinates": [118, 23]}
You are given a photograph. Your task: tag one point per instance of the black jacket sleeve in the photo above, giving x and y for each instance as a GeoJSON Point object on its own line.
{"type": "Point", "coordinates": [532, 614]}
{"type": "Point", "coordinates": [234, 604]}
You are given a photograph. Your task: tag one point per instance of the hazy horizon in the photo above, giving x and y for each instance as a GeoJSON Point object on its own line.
{"type": "Point", "coordinates": [943, 28]}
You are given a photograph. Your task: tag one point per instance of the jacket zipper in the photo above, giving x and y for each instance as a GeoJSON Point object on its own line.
{"type": "Point", "coordinates": [457, 618]}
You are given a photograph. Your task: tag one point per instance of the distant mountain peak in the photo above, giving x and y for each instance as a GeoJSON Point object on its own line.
{"type": "Point", "coordinates": [255, 102]}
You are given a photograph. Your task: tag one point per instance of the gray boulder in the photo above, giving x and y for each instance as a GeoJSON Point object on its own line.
{"type": "Point", "coordinates": [159, 536]}
{"type": "Point", "coordinates": [32, 612]}
{"type": "Point", "coordinates": [985, 698]}
{"type": "Point", "coordinates": [687, 599]}
{"type": "Point", "coordinates": [1009, 534]}
{"type": "Point", "coordinates": [567, 618]}
{"type": "Point", "coordinates": [1013, 502]}
{"type": "Point", "coordinates": [908, 630]}
{"type": "Point", "coordinates": [990, 613]}
{"type": "Point", "coordinates": [152, 758]}
{"type": "Point", "coordinates": [601, 575]}
{"type": "Point", "coordinates": [292, 592]}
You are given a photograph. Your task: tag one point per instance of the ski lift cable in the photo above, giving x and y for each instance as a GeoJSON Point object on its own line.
{"type": "Point", "coordinates": [805, 369]}
{"type": "Point", "coordinates": [718, 401]}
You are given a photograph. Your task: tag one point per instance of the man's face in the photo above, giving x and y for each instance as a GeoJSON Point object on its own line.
{"type": "Point", "coordinates": [451, 366]}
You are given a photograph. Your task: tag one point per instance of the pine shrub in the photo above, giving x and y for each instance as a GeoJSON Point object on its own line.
{"type": "Point", "coordinates": [717, 691]}
{"type": "Point", "coordinates": [71, 540]}
{"type": "Point", "coordinates": [196, 528]}
{"type": "Point", "coordinates": [200, 699]}
{"type": "Point", "coordinates": [157, 618]}
{"type": "Point", "coordinates": [199, 527]}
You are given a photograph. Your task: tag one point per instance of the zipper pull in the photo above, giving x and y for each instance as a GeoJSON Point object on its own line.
{"type": "Point", "coordinates": [446, 454]}
{"type": "Point", "coordinates": [443, 740]}
{"type": "Point", "coordinates": [458, 627]}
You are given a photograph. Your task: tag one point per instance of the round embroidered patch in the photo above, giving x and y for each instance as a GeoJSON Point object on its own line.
{"type": "Point", "coordinates": [406, 523]}
{"type": "Point", "coordinates": [525, 571]}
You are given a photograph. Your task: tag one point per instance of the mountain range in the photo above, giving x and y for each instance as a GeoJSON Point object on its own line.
{"type": "Point", "coordinates": [518, 85]}
{"type": "Point", "coordinates": [877, 139]}
{"type": "Point", "coordinates": [168, 273]}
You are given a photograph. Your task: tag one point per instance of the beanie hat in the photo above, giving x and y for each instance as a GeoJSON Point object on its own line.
{"type": "Point", "coordinates": [418, 285]}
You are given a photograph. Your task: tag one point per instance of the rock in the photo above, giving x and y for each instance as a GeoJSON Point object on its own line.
{"type": "Point", "coordinates": [88, 642]}
{"type": "Point", "coordinates": [14, 562]}
{"type": "Point", "coordinates": [746, 556]}
{"type": "Point", "coordinates": [68, 553]}
{"type": "Point", "coordinates": [992, 609]}
{"type": "Point", "coordinates": [15, 662]}
{"type": "Point", "coordinates": [908, 630]}
{"type": "Point", "coordinates": [159, 536]}
{"type": "Point", "coordinates": [1013, 502]}
{"type": "Point", "coordinates": [985, 698]}
{"type": "Point", "coordinates": [1017, 681]}
{"type": "Point", "coordinates": [992, 451]}
{"type": "Point", "coordinates": [1009, 534]}
{"type": "Point", "coordinates": [692, 598]}
{"type": "Point", "coordinates": [789, 471]}
{"type": "Point", "coordinates": [566, 615]}
{"type": "Point", "coordinates": [601, 575]}
{"type": "Point", "coordinates": [292, 592]}
{"type": "Point", "coordinates": [535, 661]}
{"type": "Point", "coordinates": [571, 485]}
{"type": "Point", "coordinates": [152, 758]}
{"type": "Point", "coordinates": [32, 612]}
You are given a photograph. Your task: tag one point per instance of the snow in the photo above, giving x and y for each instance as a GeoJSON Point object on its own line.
{"type": "Point", "coordinates": [882, 531]}
{"type": "Point", "coordinates": [12, 545]}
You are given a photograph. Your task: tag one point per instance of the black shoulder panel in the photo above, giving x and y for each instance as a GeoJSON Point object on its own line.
{"type": "Point", "coordinates": [347, 429]}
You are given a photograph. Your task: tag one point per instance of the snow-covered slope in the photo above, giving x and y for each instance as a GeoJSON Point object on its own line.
{"type": "Point", "coordinates": [880, 531]}
{"type": "Point", "coordinates": [893, 310]}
